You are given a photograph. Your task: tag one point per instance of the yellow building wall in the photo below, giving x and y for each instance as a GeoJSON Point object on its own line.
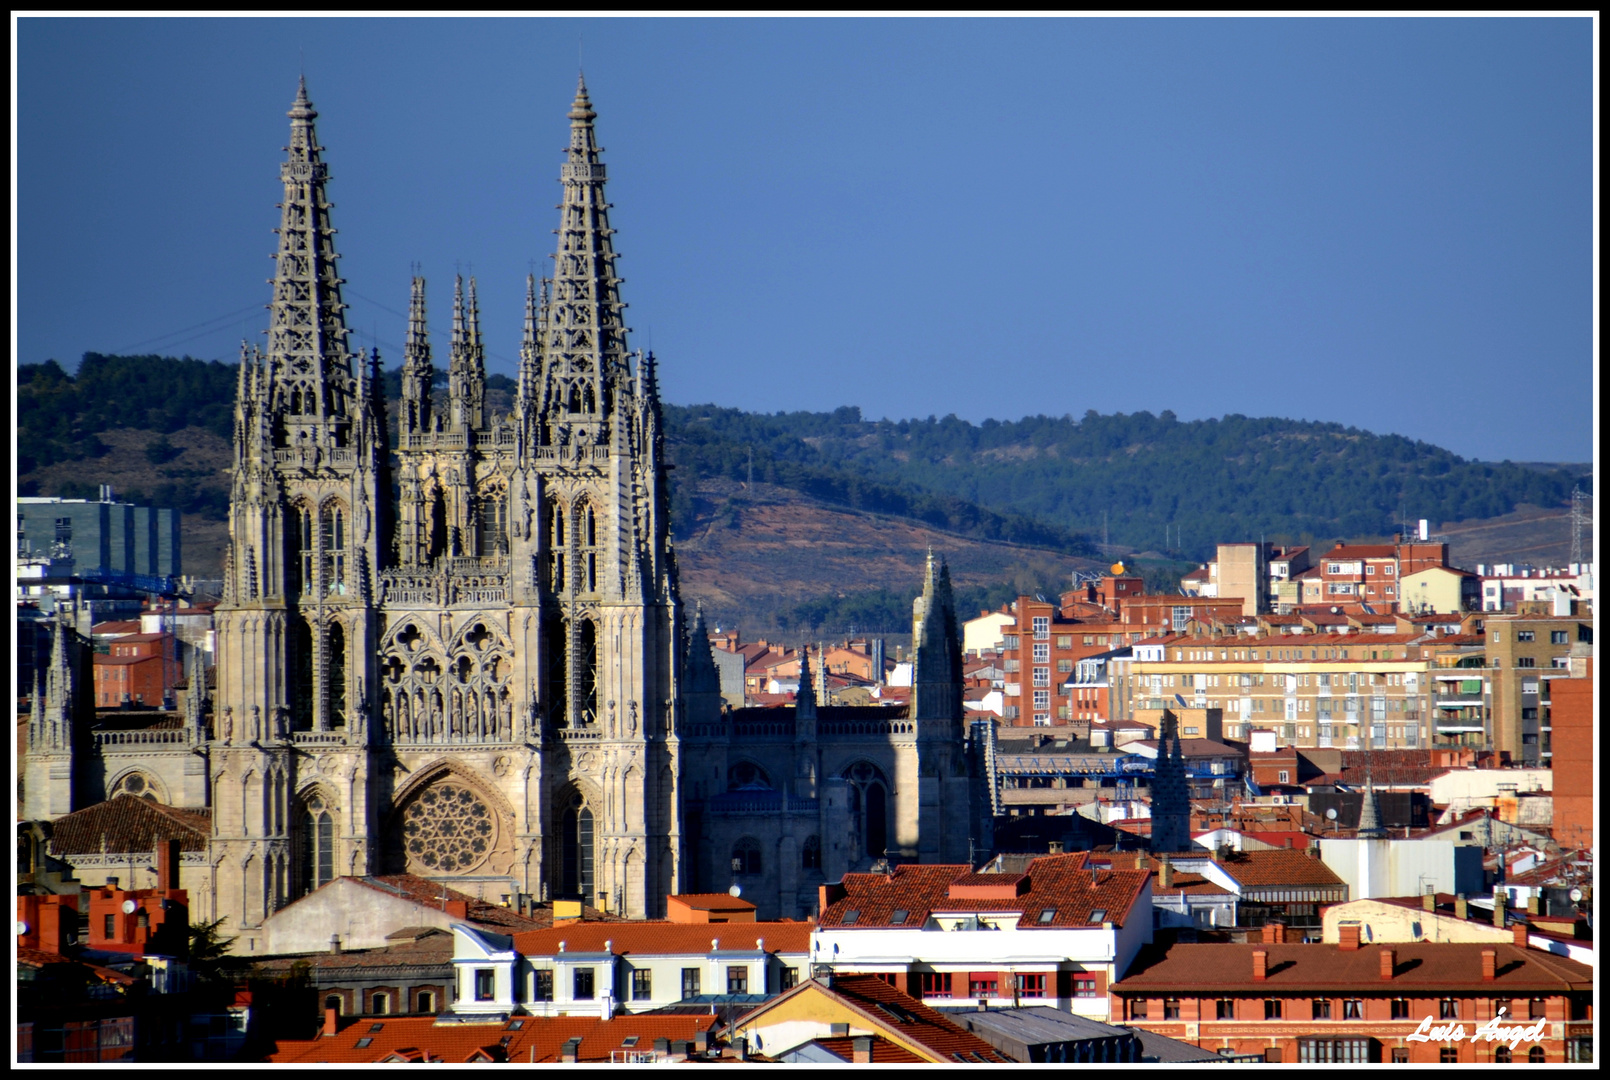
{"type": "Point", "coordinates": [811, 1014]}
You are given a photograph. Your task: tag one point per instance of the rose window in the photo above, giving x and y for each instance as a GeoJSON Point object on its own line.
{"type": "Point", "coordinates": [449, 829]}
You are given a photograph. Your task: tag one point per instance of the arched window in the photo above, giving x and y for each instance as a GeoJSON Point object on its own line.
{"type": "Point", "coordinates": [333, 525]}
{"type": "Point", "coordinates": [335, 677]}
{"type": "Point", "coordinates": [558, 548]}
{"type": "Point", "coordinates": [300, 646]}
{"type": "Point", "coordinates": [1536, 1054]}
{"type": "Point", "coordinates": [493, 536]}
{"type": "Point", "coordinates": [746, 857]}
{"type": "Point", "coordinates": [589, 553]}
{"type": "Point", "coordinates": [575, 398]}
{"type": "Point", "coordinates": [333, 1001]}
{"type": "Point", "coordinates": [587, 668]}
{"type": "Point", "coordinates": [558, 683]}
{"type": "Point", "coordinates": [576, 851]}
{"type": "Point", "coordinates": [436, 541]}
{"type": "Point", "coordinates": [318, 843]}
{"type": "Point", "coordinates": [869, 804]}
{"type": "Point", "coordinates": [810, 856]}
{"type": "Point", "coordinates": [300, 562]}
{"type": "Point", "coordinates": [380, 1004]}
{"type": "Point", "coordinates": [135, 784]}
{"type": "Point", "coordinates": [1502, 1055]}
{"type": "Point", "coordinates": [747, 775]}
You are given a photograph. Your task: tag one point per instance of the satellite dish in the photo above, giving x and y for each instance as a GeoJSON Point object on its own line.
{"type": "Point", "coordinates": [1331, 813]}
{"type": "Point", "coordinates": [1575, 895]}
{"type": "Point", "coordinates": [129, 907]}
{"type": "Point", "coordinates": [22, 928]}
{"type": "Point", "coordinates": [736, 890]}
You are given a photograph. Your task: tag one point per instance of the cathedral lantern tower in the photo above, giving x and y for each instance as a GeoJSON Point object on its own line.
{"type": "Point", "coordinates": [296, 628]}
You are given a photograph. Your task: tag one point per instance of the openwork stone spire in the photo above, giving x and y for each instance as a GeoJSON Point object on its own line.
{"type": "Point", "coordinates": [936, 684]}
{"type": "Point", "coordinates": [466, 373]}
{"type": "Point", "coordinates": [307, 337]}
{"type": "Point", "coordinates": [584, 356]}
{"type": "Point", "coordinates": [417, 370]}
{"type": "Point", "coordinates": [1369, 815]}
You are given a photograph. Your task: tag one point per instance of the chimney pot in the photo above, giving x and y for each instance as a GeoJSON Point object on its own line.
{"type": "Point", "coordinates": [1348, 934]}
{"type": "Point", "coordinates": [1429, 901]}
{"type": "Point", "coordinates": [331, 1016]}
{"type": "Point", "coordinates": [335, 943]}
{"type": "Point", "coordinates": [1389, 963]}
{"type": "Point", "coordinates": [1522, 934]}
{"type": "Point", "coordinates": [1461, 907]}
{"type": "Point", "coordinates": [1500, 905]}
{"type": "Point", "coordinates": [1260, 964]}
{"type": "Point", "coordinates": [863, 1049]}
{"type": "Point", "coordinates": [1489, 964]}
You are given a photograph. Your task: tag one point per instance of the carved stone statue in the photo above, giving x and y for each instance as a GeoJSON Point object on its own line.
{"type": "Point", "coordinates": [229, 724]}
{"type": "Point", "coordinates": [257, 724]}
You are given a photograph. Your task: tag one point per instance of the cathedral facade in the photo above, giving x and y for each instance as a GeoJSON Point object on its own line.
{"type": "Point", "coordinates": [466, 657]}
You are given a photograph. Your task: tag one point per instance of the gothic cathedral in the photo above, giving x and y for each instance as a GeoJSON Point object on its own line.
{"type": "Point", "coordinates": [464, 656]}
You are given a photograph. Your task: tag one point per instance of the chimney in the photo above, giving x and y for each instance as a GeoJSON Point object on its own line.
{"type": "Point", "coordinates": [335, 943]}
{"type": "Point", "coordinates": [1489, 965]}
{"type": "Point", "coordinates": [701, 1041]}
{"type": "Point", "coordinates": [1389, 963]}
{"type": "Point", "coordinates": [1500, 906]}
{"type": "Point", "coordinates": [1274, 933]}
{"type": "Point", "coordinates": [1165, 874]}
{"type": "Point", "coordinates": [662, 1046]}
{"type": "Point", "coordinates": [1461, 908]}
{"type": "Point", "coordinates": [331, 1017]}
{"type": "Point", "coordinates": [1260, 964]}
{"type": "Point", "coordinates": [1534, 904]}
{"type": "Point", "coordinates": [111, 883]}
{"type": "Point", "coordinates": [863, 1050]}
{"type": "Point", "coordinates": [1348, 933]}
{"type": "Point", "coordinates": [1055, 847]}
{"type": "Point", "coordinates": [1429, 901]}
{"type": "Point", "coordinates": [569, 1051]}
{"type": "Point", "coordinates": [1522, 935]}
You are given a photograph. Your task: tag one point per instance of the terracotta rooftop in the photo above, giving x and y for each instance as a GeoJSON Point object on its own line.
{"type": "Point", "coordinates": [904, 1017]}
{"type": "Point", "coordinates": [431, 893]}
{"type": "Point", "coordinates": [1282, 866]}
{"type": "Point", "coordinates": [1421, 967]}
{"type": "Point", "coordinates": [126, 823]}
{"type": "Point", "coordinates": [434, 949]}
{"type": "Point", "coordinates": [518, 1039]}
{"type": "Point", "coordinates": [883, 1051]}
{"type": "Point", "coordinates": [1059, 883]}
{"type": "Point", "coordinates": [642, 937]}
{"type": "Point", "coordinates": [116, 626]}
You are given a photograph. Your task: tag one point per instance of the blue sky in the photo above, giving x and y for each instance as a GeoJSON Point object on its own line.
{"type": "Point", "coordinates": [1381, 222]}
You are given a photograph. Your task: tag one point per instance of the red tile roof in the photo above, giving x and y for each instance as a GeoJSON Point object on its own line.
{"type": "Point", "coordinates": [1058, 882]}
{"type": "Point", "coordinates": [904, 1017]}
{"type": "Point", "coordinates": [883, 1051]}
{"type": "Point", "coordinates": [431, 893]}
{"type": "Point", "coordinates": [520, 1039]}
{"type": "Point", "coordinates": [653, 937]}
{"type": "Point", "coordinates": [125, 824]}
{"type": "Point", "coordinates": [1421, 967]}
{"type": "Point", "coordinates": [1256, 869]}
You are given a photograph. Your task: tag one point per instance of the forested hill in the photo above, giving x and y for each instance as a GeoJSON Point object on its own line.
{"type": "Point", "coordinates": [1042, 481]}
{"type": "Point", "coordinates": [1235, 478]}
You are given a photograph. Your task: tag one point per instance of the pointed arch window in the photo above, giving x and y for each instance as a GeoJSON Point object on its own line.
{"type": "Point", "coordinates": [300, 646]}
{"type": "Point", "coordinates": [302, 550]}
{"type": "Point", "coordinates": [587, 672]}
{"type": "Point", "coordinates": [558, 547]}
{"type": "Point", "coordinates": [335, 677]}
{"type": "Point", "coordinates": [576, 850]}
{"type": "Point", "coordinates": [493, 531]}
{"type": "Point", "coordinates": [334, 529]}
{"type": "Point", "coordinates": [746, 860]}
{"type": "Point", "coordinates": [318, 843]}
{"type": "Point", "coordinates": [587, 570]}
{"type": "Point", "coordinates": [810, 855]}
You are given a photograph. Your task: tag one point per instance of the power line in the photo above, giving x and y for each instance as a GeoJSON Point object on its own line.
{"type": "Point", "coordinates": [175, 333]}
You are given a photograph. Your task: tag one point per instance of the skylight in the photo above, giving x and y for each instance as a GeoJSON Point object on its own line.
{"type": "Point", "coordinates": [629, 1042]}
{"type": "Point", "coordinates": [850, 917]}
{"type": "Point", "coordinates": [1048, 914]}
{"type": "Point", "coordinates": [1098, 915]}
{"type": "Point", "coordinates": [363, 1042]}
{"type": "Point", "coordinates": [898, 917]}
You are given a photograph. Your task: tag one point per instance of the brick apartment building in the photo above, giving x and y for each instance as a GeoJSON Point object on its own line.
{"type": "Point", "coordinates": [140, 669]}
{"type": "Point", "coordinates": [1524, 651]}
{"type": "Point", "coordinates": [1349, 1003]}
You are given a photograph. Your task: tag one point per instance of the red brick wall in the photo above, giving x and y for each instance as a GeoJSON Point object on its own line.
{"type": "Point", "coordinates": [1571, 710]}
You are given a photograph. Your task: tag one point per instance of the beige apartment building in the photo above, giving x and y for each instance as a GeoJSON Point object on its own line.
{"type": "Point", "coordinates": [1355, 690]}
{"type": "Point", "coordinates": [1524, 651]}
